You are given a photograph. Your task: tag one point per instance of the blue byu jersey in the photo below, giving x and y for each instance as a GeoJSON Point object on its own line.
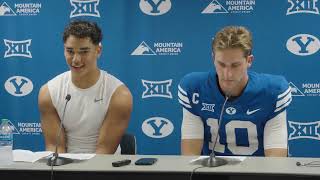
{"type": "Point", "coordinates": [244, 118]}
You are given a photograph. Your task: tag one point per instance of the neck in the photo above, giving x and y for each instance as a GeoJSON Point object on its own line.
{"type": "Point", "coordinates": [237, 90]}
{"type": "Point", "coordinates": [87, 80]}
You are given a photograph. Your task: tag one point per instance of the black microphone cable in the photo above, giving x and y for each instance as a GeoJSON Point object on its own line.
{"type": "Point", "coordinates": [309, 164]}
{"type": "Point", "coordinates": [55, 154]}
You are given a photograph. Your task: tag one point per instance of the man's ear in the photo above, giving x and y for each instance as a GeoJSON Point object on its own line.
{"type": "Point", "coordinates": [250, 60]}
{"type": "Point", "coordinates": [99, 50]}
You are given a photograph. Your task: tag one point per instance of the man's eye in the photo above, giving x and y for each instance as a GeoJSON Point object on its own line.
{"type": "Point", "coordinates": [70, 51]}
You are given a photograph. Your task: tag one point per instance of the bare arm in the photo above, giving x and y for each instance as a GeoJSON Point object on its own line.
{"type": "Point", "coordinates": [191, 146]}
{"type": "Point", "coordinates": [276, 136]}
{"type": "Point", "coordinates": [115, 122]}
{"type": "Point", "coordinates": [50, 121]}
{"type": "Point", "coordinates": [276, 152]}
{"type": "Point", "coordinates": [191, 134]}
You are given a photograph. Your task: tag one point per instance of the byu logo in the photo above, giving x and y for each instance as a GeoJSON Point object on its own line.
{"type": "Point", "coordinates": [302, 6]}
{"type": "Point", "coordinates": [5, 10]}
{"type": "Point", "coordinates": [295, 91]}
{"type": "Point", "coordinates": [143, 49]}
{"type": "Point", "coordinates": [214, 7]}
{"type": "Point", "coordinates": [157, 127]}
{"type": "Point", "coordinates": [19, 86]}
{"type": "Point", "coordinates": [157, 88]}
{"type": "Point", "coordinates": [303, 44]}
{"type": "Point", "coordinates": [84, 8]}
{"type": "Point", "coordinates": [207, 107]}
{"type": "Point", "coordinates": [17, 48]}
{"type": "Point", "coordinates": [304, 130]}
{"type": "Point", "coordinates": [155, 7]}
{"type": "Point", "coordinates": [231, 110]}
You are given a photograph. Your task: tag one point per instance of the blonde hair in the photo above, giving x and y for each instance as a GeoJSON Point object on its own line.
{"type": "Point", "coordinates": [233, 37]}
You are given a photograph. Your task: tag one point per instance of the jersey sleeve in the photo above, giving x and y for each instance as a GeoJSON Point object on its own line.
{"type": "Point", "coordinates": [185, 91]}
{"type": "Point", "coordinates": [281, 93]}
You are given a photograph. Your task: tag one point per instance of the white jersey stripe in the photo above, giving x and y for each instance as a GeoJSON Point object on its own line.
{"type": "Point", "coordinates": [285, 93]}
{"type": "Point", "coordinates": [283, 106]}
{"type": "Point", "coordinates": [182, 91]}
{"type": "Point", "coordinates": [183, 98]}
{"type": "Point", "coordinates": [184, 104]}
{"type": "Point", "coordinates": [283, 101]}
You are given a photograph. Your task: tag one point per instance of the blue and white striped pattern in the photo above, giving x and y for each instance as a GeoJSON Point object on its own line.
{"type": "Point", "coordinates": [283, 100]}
{"type": "Point", "coordinates": [183, 97]}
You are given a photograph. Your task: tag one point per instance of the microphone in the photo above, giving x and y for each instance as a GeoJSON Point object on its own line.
{"type": "Point", "coordinates": [212, 160]}
{"type": "Point", "coordinates": [55, 160]}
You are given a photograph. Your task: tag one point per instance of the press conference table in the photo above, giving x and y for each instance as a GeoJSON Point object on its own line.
{"type": "Point", "coordinates": [167, 167]}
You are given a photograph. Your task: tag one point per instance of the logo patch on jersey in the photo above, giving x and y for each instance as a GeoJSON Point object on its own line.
{"type": "Point", "coordinates": [155, 7]}
{"type": "Point", "coordinates": [98, 100]}
{"type": "Point", "coordinates": [17, 48]}
{"type": "Point", "coordinates": [303, 44]}
{"type": "Point", "coordinates": [157, 127]}
{"type": "Point", "coordinates": [303, 130]}
{"type": "Point", "coordinates": [303, 6]}
{"type": "Point", "coordinates": [84, 8]}
{"type": "Point", "coordinates": [19, 86]}
{"type": "Point", "coordinates": [231, 110]}
{"type": "Point", "coordinates": [249, 112]}
{"type": "Point", "coordinates": [207, 107]}
{"type": "Point", "coordinates": [157, 88]}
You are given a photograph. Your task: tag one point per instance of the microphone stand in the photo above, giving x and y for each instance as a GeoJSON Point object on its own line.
{"type": "Point", "coordinates": [212, 160]}
{"type": "Point", "coordinates": [55, 160]}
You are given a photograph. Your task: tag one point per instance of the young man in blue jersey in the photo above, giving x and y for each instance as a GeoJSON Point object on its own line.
{"type": "Point", "coordinates": [246, 109]}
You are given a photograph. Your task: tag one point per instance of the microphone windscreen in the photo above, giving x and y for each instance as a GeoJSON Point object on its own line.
{"type": "Point", "coordinates": [68, 97]}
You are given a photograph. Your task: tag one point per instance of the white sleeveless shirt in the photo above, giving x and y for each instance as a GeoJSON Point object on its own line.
{"type": "Point", "coordinates": [85, 111]}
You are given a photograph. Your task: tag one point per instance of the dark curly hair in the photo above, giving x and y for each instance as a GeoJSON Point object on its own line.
{"type": "Point", "coordinates": [83, 29]}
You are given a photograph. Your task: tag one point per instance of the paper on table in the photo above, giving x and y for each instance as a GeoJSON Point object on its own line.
{"type": "Point", "coordinates": [229, 158]}
{"type": "Point", "coordinates": [21, 155]}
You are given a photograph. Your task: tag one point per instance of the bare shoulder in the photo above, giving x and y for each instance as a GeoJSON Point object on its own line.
{"type": "Point", "coordinates": [44, 99]}
{"type": "Point", "coordinates": [121, 99]}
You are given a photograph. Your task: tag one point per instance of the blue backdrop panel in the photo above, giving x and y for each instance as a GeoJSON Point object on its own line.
{"type": "Point", "coordinates": [150, 45]}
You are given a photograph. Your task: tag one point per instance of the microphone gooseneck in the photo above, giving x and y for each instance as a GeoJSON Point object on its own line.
{"type": "Point", "coordinates": [55, 160]}
{"type": "Point", "coordinates": [212, 161]}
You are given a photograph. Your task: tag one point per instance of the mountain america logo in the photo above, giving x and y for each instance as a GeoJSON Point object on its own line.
{"type": "Point", "coordinates": [21, 9]}
{"type": "Point", "coordinates": [306, 89]}
{"type": "Point", "coordinates": [158, 48]}
{"type": "Point", "coordinates": [230, 6]}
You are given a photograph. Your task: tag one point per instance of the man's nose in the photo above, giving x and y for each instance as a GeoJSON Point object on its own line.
{"type": "Point", "coordinates": [76, 58]}
{"type": "Point", "coordinates": [227, 73]}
